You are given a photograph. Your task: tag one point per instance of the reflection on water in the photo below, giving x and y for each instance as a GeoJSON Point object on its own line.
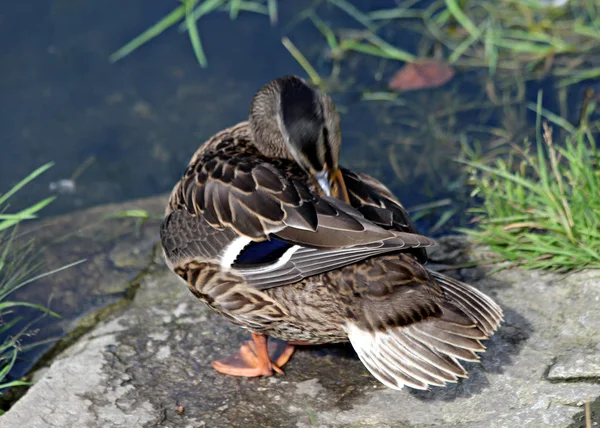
{"type": "Point", "coordinates": [126, 130]}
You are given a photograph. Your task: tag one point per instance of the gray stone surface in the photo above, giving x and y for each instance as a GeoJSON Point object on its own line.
{"type": "Point", "coordinates": [114, 250]}
{"type": "Point", "coordinates": [574, 367]}
{"type": "Point", "coordinates": [141, 365]}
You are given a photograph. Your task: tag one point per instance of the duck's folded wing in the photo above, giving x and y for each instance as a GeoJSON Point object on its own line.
{"type": "Point", "coordinates": [379, 205]}
{"type": "Point", "coordinates": [286, 232]}
{"type": "Point", "coordinates": [246, 195]}
{"type": "Point", "coordinates": [376, 202]}
{"type": "Point", "coordinates": [292, 254]}
{"type": "Point", "coordinates": [297, 262]}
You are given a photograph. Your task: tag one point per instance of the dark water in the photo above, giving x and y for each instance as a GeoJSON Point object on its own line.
{"type": "Point", "coordinates": [136, 122]}
{"type": "Point", "coordinates": [139, 120]}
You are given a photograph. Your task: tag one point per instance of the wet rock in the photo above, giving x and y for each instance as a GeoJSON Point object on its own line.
{"type": "Point", "coordinates": [149, 365]}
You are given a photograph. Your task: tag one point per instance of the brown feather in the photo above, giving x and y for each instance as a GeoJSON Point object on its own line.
{"type": "Point", "coordinates": [352, 270]}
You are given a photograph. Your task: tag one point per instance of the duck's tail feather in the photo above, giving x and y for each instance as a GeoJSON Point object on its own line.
{"type": "Point", "coordinates": [473, 302]}
{"type": "Point", "coordinates": [427, 352]}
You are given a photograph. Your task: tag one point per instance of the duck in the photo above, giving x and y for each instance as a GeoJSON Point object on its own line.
{"type": "Point", "coordinates": [268, 230]}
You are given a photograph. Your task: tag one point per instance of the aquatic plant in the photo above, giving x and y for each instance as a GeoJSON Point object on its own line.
{"type": "Point", "coordinates": [186, 16]}
{"type": "Point", "coordinates": [511, 35]}
{"type": "Point", "coordinates": [526, 36]}
{"type": "Point", "coordinates": [18, 267]}
{"type": "Point", "coordinates": [504, 36]}
{"type": "Point", "coordinates": [540, 204]}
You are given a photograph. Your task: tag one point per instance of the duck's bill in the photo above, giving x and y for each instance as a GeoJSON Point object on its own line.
{"type": "Point", "coordinates": [338, 186]}
{"type": "Point", "coordinates": [332, 184]}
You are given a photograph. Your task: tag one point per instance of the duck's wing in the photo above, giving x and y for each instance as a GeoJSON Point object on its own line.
{"type": "Point", "coordinates": [378, 204]}
{"type": "Point", "coordinates": [298, 259]}
{"type": "Point", "coordinates": [285, 231]}
{"type": "Point", "coordinates": [257, 199]}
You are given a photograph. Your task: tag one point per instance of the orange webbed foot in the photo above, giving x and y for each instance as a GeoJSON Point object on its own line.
{"type": "Point", "coordinates": [256, 357]}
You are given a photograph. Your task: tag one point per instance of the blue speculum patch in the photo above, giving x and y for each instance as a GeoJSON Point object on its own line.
{"type": "Point", "coordinates": [265, 252]}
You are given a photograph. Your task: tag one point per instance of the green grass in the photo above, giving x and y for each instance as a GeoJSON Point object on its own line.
{"type": "Point", "coordinates": [499, 35]}
{"type": "Point", "coordinates": [187, 15]}
{"type": "Point", "coordinates": [19, 266]}
{"type": "Point", "coordinates": [523, 36]}
{"type": "Point", "coordinates": [540, 204]}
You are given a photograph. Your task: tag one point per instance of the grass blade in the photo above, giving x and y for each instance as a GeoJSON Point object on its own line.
{"type": "Point", "coordinates": [234, 8]}
{"type": "Point", "coordinates": [9, 365]}
{"type": "Point", "coordinates": [193, 33]}
{"type": "Point", "coordinates": [460, 16]}
{"type": "Point", "coordinates": [26, 213]}
{"type": "Point", "coordinates": [354, 13]}
{"type": "Point", "coordinates": [580, 76]}
{"type": "Point", "coordinates": [391, 51]}
{"type": "Point", "coordinates": [42, 275]}
{"type": "Point", "coordinates": [204, 8]}
{"type": "Point", "coordinates": [272, 7]}
{"type": "Point", "coordinates": [553, 118]}
{"type": "Point", "coordinates": [24, 182]}
{"type": "Point", "coordinates": [326, 31]}
{"type": "Point", "coordinates": [298, 56]}
{"type": "Point", "coordinates": [165, 23]}
{"type": "Point", "coordinates": [7, 305]}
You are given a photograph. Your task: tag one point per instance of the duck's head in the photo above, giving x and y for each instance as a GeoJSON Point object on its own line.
{"type": "Point", "coordinates": [291, 120]}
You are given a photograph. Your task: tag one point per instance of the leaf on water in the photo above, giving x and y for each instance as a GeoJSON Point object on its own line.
{"type": "Point", "coordinates": [422, 74]}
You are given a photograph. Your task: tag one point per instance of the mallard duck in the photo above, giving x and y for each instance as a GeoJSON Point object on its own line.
{"type": "Point", "coordinates": [267, 229]}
